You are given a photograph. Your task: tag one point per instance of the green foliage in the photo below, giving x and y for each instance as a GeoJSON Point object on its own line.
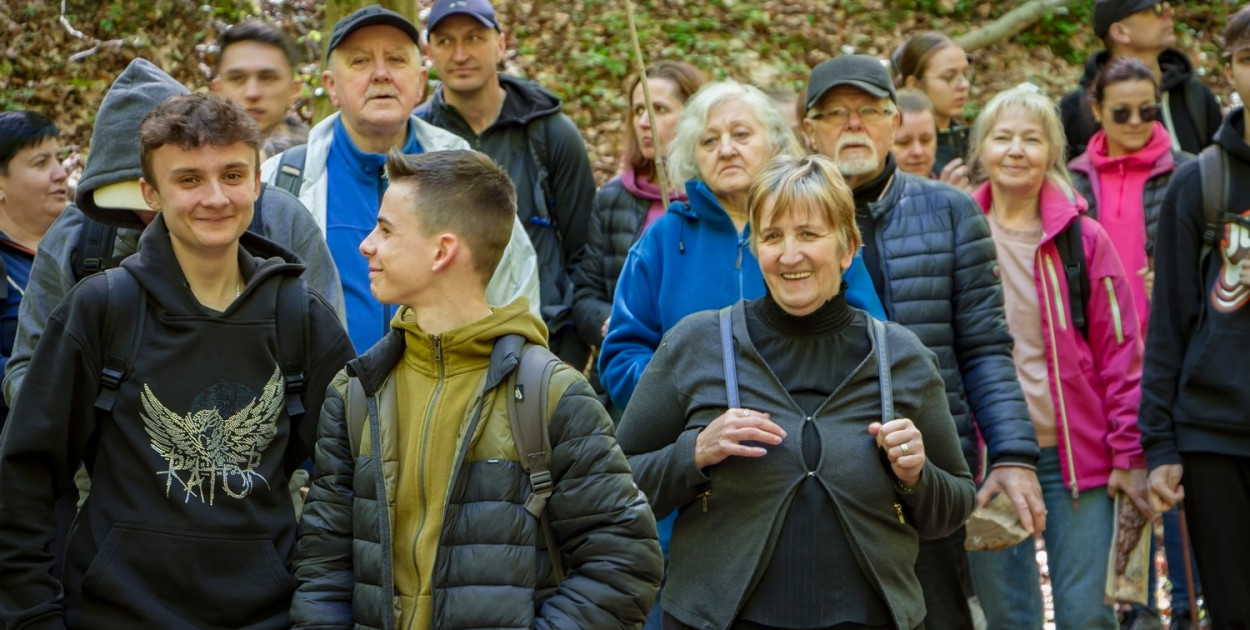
{"type": "Point", "coordinates": [1060, 30]}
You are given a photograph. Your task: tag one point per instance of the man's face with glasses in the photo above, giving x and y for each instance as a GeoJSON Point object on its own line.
{"type": "Point", "coordinates": [855, 129]}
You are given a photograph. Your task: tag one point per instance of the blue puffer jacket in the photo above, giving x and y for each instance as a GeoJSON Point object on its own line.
{"type": "Point", "coordinates": [941, 276]}
{"type": "Point", "coordinates": [692, 259]}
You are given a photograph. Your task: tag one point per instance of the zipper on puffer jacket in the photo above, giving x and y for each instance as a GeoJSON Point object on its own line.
{"type": "Point", "coordinates": [422, 499]}
{"type": "Point", "coordinates": [1050, 289]}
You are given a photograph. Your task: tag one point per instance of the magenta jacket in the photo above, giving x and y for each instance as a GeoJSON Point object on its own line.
{"type": "Point", "coordinates": [1094, 382]}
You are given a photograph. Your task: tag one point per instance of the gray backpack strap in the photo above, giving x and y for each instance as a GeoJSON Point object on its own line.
{"type": "Point", "coordinates": [729, 358]}
{"type": "Point", "coordinates": [527, 411]}
{"type": "Point", "coordinates": [883, 370]}
{"type": "Point", "coordinates": [1213, 167]}
{"type": "Point", "coordinates": [356, 409]}
{"type": "Point", "coordinates": [290, 175]}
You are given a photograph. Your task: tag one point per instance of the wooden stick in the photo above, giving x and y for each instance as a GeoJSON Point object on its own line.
{"type": "Point", "coordinates": [641, 64]}
{"type": "Point", "coordinates": [1189, 569]}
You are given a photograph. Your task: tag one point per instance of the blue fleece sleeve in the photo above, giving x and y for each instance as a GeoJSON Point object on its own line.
{"type": "Point", "coordinates": [634, 329]}
{"type": "Point", "coordinates": [860, 292]}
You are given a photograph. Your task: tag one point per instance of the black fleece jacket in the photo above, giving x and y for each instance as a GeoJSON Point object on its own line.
{"type": "Point", "coordinates": [1178, 76]}
{"type": "Point", "coordinates": [189, 522]}
{"type": "Point", "coordinates": [1194, 394]}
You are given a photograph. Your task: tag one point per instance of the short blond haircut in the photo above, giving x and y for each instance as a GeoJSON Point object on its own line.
{"type": "Point", "coordinates": [810, 183]}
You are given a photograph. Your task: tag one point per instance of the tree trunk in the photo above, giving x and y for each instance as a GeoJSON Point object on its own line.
{"type": "Point", "coordinates": [1009, 24]}
{"type": "Point", "coordinates": [336, 10]}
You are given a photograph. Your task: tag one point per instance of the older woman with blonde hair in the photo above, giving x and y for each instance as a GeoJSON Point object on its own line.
{"type": "Point", "coordinates": [697, 256]}
{"type": "Point", "coordinates": [1080, 383]}
{"type": "Point", "coordinates": [805, 445]}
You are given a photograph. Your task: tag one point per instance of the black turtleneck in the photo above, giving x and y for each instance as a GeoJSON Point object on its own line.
{"type": "Point", "coordinates": [866, 193]}
{"type": "Point", "coordinates": [813, 579]}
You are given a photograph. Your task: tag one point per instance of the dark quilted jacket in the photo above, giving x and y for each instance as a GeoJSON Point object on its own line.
{"type": "Point", "coordinates": [616, 220]}
{"type": "Point", "coordinates": [941, 276]}
{"type": "Point", "coordinates": [492, 569]}
{"type": "Point", "coordinates": [1084, 177]}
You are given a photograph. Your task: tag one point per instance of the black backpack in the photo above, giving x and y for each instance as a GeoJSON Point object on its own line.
{"type": "Point", "coordinates": [528, 411]}
{"type": "Point", "coordinates": [96, 241]}
{"type": "Point", "coordinates": [123, 325]}
{"type": "Point", "coordinates": [1214, 173]}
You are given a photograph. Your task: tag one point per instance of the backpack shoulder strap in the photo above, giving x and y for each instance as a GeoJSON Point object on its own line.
{"type": "Point", "coordinates": [1071, 246]}
{"type": "Point", "coordinates": [729, 357]}
{"type": "Point", "coordinates": [95, 248]}
{"type": "Point", "coordinates": [356, 408]}
{"type": "Point", "coordinates": [292, 329]}
{"type": "Point", "coordinates": [290, 176]}
{"type": "Point", "coordinates": [883, 370]}
{"type": "Point", "coordinates": [1213, 169]}
{"type": "Point", "coordinates": [257, 226]}
{"type": "Point", "coordinates": [123, 327]}
{"type": "Point", "coordinates": [528, 413]}
{"type": "Point", "coordinates": [536, 138]}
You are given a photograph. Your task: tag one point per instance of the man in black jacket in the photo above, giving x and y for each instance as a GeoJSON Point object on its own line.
{"type": "Point", "coordinates": [928, 249]}
{"type": "Point", "coordinates": [1144, 29]}
{"type": "Point", "coordinates": [1194, 398]}
{"type": "Point", "coordinates": [519, 125]}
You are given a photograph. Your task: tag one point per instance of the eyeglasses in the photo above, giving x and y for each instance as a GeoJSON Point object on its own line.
{"type": "Point", "coordinates": [1121, 114]}
{"type": "Point", "coordinates": [952, 77]}
{"type": "Point", "coordinates": [839, 116]}
{"type": "Point", "coordinates": [1160, 7]}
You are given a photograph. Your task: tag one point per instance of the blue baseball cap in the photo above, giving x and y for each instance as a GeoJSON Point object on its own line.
{"type": "Point", "coordinates": [480, 9]}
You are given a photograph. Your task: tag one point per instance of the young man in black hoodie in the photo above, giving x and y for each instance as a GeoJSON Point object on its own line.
{"type": "Point", "coordinates": [519, 125]}
{"type": "Point", "coordinates": [189, 522]}
{"type": "Point", "coordinates": [1144, 29]}
{"type": "Point", "coordinates": [1193, 417]}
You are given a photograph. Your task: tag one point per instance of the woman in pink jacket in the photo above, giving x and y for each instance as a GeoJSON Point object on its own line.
{"type": "Point", "coordinates": [1081, 387]}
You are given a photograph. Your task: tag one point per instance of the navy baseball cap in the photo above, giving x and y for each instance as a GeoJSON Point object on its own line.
{"type": "Point", "coordinates": [480, 9]}
{"type": "Point", "coordinates": [371, 15]}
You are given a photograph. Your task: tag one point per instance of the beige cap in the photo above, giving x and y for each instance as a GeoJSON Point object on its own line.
{"type": "Point", "coordinates": [121, 196]}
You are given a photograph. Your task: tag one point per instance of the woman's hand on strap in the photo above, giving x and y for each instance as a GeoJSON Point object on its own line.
{"type": "Point", "coordinates": [725, 435]}
{"type": "Point", "coordinates": [903, 446]}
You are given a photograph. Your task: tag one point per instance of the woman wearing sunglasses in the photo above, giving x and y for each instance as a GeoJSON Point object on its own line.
{"type": "Point", "coordinates": [1126, 167]}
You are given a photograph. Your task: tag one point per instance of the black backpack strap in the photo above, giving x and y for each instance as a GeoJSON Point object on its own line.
{"type": "Point", "coordinates": [527, 411]}
{"type": "Point", "coordinates": [356, 408]}
{"type": "Point", "coordinates": [257, 226]}
{"type": "Point", "coordinates": [95, 248]}
{"type": "Point", "coordinates": [292, 329]}
{"type": "Point", "coordinates": [290, 175]}
{"type": "Point", "coordinates": [544, 200]}
{"type": "Point", "coordinates": [123, 325]}
{"type": "Point", "coordinates": [1071, 248]}
{"type": "Point", "coordinates": [884, 377]}
{"type": "Point", "coordinates": [728, 357]}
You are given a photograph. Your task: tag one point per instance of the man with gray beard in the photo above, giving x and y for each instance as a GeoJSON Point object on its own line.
{"type": "Point", "coordinates": [927, 247]}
